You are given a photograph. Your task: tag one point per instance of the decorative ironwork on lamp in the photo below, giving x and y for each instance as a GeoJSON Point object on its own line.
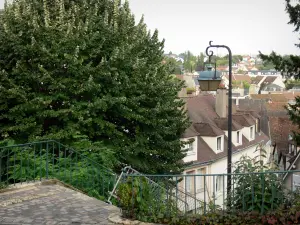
{"type": "Point", "coordinates": [209, 79]}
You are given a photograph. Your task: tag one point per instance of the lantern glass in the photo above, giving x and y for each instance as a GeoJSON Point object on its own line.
{"type": "Point", "coordinates": [209, 85]}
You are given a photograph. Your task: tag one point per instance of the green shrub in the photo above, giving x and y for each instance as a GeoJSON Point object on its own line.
{"type": "Point", "coordinates": [3, 185]}
{"type": "Point", "coordinates": [252, 191]}
{"type": "Point", "coordinates": [27, 165]}
{"type": "Point", "coordinates": [278, 217]}
{"type": "Point", "coordinates": [146, 202]}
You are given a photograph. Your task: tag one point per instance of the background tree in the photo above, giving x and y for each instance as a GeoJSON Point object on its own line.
{"type": "Point", "coordinates": [200, 62]}
{"type": "Point", "coordinates": [189, 61]}
{"type": "Point", "coordinates": [289, 84]}
{"type": "Point", "coordinates": [173, 65]}
{"type": "Point", "coordinates": [79, 71]}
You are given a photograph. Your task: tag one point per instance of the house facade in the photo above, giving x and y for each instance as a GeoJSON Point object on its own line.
{"type": "Point", "coordinates": [207, 148]}
{"type": "Point", "coordinates": [267, 84]}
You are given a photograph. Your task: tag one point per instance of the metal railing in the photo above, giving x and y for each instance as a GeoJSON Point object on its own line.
{"type": "Point", "coordinates": [261, 192]}
{"type": "Point", "coordinates": [33, 162]}
{"type": "Point", "coordinates": [184, 201]}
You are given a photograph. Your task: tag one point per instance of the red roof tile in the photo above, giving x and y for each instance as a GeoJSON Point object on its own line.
{"type": "Point", "coordinates": [276, 106]}
{"type": "Point", "coordinates": [238, 77]}
{"type": "Point", "coordinates": [257, 79]}
{"type": "Point", "coordinates": [280, 128]}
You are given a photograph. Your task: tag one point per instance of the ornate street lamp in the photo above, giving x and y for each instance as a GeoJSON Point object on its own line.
{"type": "Point", "coordinates": [213, 87]}
{"type": "Point", "coordinates": [209, 80]}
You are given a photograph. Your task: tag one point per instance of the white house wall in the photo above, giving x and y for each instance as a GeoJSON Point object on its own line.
{"type": "Point", "coordinates": [212, 142]}
{"type": "Point", "coordinates": [220, 167]}
{"type": "Point", "coordinates": [246, 132]}
{"type": "Point", "coordinates": [279, 82]}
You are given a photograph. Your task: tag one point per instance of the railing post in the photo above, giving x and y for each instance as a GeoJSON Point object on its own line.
{"type": "Point", "coordinates": [47, 149]}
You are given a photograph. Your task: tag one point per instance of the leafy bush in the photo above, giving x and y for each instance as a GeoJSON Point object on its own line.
{"type": "Point", "coordinates": [28, 164]}
{"type": "Point", "coordinates": [254, 191]}
{"type": "Point", "coordinates": [144, 201]}
{"type": "Point", "coordinates": [278, 217]}
{"type": "Point", "coordinates": [3, 185]}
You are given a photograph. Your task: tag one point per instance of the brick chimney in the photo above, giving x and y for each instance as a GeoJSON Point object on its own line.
{"type": "Point", "coordinates": [222, 103]}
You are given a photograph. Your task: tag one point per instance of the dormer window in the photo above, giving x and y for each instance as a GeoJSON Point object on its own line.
{"type": "Point", "coordinates": [238, 137]}
{"type": "Point", "coordinates": [189, 148]}
{"type": "Point", "coordinates": [219, 143]}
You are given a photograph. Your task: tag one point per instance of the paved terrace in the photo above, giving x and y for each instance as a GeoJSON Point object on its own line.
{"type": "Point", "coordinates": [51, 203]}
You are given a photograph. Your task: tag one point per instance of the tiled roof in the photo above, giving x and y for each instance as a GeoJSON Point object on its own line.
{"type": "Point", "coordinates": [245, 120]}
{"type": "Point", "coordinates": [252, 112]}
{"type": "Point", "coordinates": [257, 79]}
{"type": "Point", "coordinates": [222, 123]}
{"type": "Point", "coordinates": [272, 97]}
{"type": "Point", "coordinates": [269, 80]}
{"type": "Point", "coordinates": [276, 106]}
{"type": "Point", "coordinates": [240, 78]}
{"type": "Point", "coordinates": [291, 95]}
{"type": "Point", "coordinates": [190, 132]}
{"type": "Point", "coordinates": [280, 128]}
{"type": "Point", "coordinates": [201, 109]}
{"type": "Point", "coordinates": [206, 122]}
{"type": "Point", "coordinates": [208, 129]}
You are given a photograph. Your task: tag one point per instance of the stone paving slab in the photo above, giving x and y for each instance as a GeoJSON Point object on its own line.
{"type": "Point", "coordinates": [52, 205]}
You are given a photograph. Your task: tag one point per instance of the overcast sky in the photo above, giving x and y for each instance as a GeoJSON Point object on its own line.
{"type": "Point", "coordinates": [245, 26]}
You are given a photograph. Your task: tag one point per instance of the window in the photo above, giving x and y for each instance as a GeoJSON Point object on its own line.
{"type": "Point", "coordinates": [257, 125]}
{"type": "Point", "coordinates": [190, 147]}
{"type": "Point", "coordinates": [238, 137]}
{"type": "Point", "coordinates": [189, 182]}
{"type": "Point", "coordinates": [251, 132]}
{"type": "Point", "coordinates": [219, 144]}
{"type": "Point", "coordinates": [219, 183]}
{"type": "Point", "coordinates": [200, 180]}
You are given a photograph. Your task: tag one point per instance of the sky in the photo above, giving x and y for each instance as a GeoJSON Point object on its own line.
{"type": "Point", "coordinates": [246, 26]}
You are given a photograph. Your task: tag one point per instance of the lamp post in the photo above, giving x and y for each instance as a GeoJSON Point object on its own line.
{"type": "Point", "coordinates": [229, 154]}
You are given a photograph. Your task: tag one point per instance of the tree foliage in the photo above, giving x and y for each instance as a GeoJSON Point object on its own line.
{"type": "Point", "coordinates": [73, 70]}
{"type": "Point", "coordinates": [173, 65]}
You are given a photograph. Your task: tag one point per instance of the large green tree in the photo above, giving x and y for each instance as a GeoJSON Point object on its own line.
{"type": "Point", "coordinates": [74, 70]}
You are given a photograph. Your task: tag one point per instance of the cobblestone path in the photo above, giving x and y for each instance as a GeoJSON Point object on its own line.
{"type": "Point", "coordinates": [51, 205]}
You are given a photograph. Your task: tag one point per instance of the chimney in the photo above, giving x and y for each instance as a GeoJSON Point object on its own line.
{"type": "Point", "coordinates": [222, 102]}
